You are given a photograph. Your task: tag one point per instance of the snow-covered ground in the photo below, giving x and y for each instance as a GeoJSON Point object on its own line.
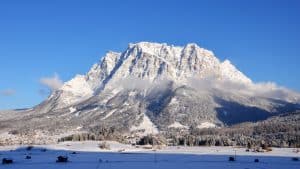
{"type": "Point", "coordinates": [127, 157]}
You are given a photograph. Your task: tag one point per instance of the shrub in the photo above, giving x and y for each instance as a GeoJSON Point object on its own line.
{"type": "Point", "coordinates": [231, 159]}
{"type": "Point", "coordinates": [7, 161]}
{"type": "Point", "coordinates": [104, 145]}
{"type": "Point", "coordinates": [62, 159]}
{"type": "Point", "coordinates": [28, 148]}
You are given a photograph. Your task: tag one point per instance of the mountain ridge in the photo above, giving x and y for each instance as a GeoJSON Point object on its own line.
{"type": "Point", "coordinates": [99, 72]}
{"type": "Point", "coordinates": [154, 87]}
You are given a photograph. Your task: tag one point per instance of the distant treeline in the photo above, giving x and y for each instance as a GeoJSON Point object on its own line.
{"type": "Point", "coordinates": [97, 133]}
{"type": "Point", "coordinates": [279, 131]}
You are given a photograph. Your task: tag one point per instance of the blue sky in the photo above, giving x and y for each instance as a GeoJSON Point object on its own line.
{"type": "Point", "coordinates": [65, 37]}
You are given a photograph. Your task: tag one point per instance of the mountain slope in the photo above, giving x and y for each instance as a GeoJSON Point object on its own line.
{"type": "Point", "coordinates": [152, 87]}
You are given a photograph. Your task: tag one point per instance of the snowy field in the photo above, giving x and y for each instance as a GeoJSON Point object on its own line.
{"type": "Point", "coordinates": [89, 156]}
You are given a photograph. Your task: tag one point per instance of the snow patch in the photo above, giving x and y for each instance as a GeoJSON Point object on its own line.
{"type": "Point", "coordinates": [109, 114]}
{"type": "Point", "coordinates": [132, 93]}
{"type": "Point", "coordinates": [77, 113]}
{"type": "Point", "coordinates": [177, 125]}
{"type": "Point", "coordinates": [206, 125]}
{"type": "Point", "coordinates": [72, 109]}
{"type": "Point", "coordinates": [126, 104]}
{"type": "Point", "coordinates": [146, 125]}
{"type": "Point", "coordinates": [174, 101]}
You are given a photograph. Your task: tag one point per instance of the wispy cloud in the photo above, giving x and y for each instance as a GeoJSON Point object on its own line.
{"type": "Point", "coordinates": [7, 92]}
{"type": "Point", "coordinates": [53, 83]}
{"type": "Point", "coordinates": [261, 89]}
{"type": "Point", "coordinates": [212, 83]}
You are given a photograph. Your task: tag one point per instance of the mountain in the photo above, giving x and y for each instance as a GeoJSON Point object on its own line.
{"type": "Point", "coordinates": [153, 87]}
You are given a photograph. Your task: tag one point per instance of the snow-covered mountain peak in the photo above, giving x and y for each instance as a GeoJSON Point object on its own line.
{"type": "Point", "coordinates": [75, 90]}
{"type": "Point", "coordinates": [193, 47]}
{"type": "Point", "coordinates": [153, 48]}
{"type": "Point", "coordinates": [153, 87]}
{"type": "Point", "coordinates": [230, 72]}
{"type": "Point", "coordinates": [149, 62]}
{"type": "Point", "coordinates": [101, 70]}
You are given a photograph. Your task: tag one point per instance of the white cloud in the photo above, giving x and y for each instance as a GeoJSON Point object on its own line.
{"type": "Point", "coordinates": [53, 83]}
{"type": "Point", "coordinates": [7, 92]}
{"type": "Point", "coordinates": [261, 89]}
{"type": "Point", "coordinates": [213, 83]}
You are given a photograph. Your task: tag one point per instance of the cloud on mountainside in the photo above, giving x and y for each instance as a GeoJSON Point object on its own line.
{"type": "Point", "coordinates": [53, 83]}
{"type": "Point", "coordinates": [261, 89]}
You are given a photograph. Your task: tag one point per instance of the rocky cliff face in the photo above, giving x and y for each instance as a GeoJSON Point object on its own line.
{"type": "Point", "coordinates": [152, 87]}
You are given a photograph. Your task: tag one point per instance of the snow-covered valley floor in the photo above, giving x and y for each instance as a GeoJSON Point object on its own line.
{"type": "Point", "coordinates": [89, 156]}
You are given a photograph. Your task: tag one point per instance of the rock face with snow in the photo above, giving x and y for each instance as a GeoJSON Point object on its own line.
{"type": "Point", "coordinates": [152, 87]}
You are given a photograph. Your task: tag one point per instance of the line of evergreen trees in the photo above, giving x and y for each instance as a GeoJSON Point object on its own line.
{"type": "Point", "coordinates": [279, 131]}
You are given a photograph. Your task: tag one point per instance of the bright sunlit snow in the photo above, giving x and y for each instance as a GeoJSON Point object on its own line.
{"type": "Point", "coordinates": [89, 156]}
